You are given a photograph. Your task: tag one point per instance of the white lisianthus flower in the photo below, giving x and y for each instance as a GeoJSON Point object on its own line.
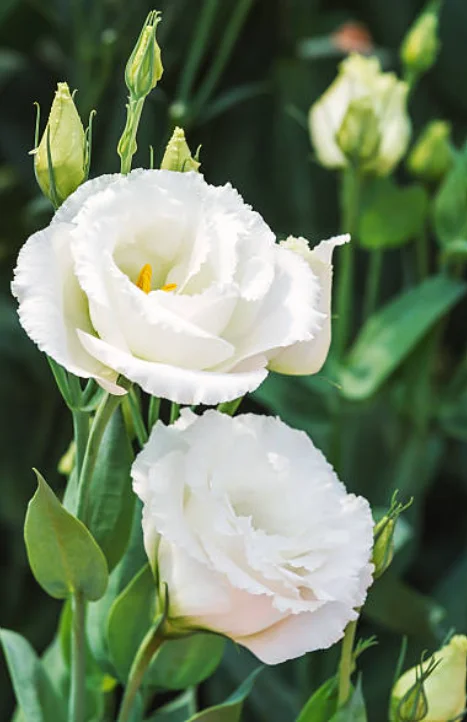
{"type": "Point", "coordinates": [175, 284]}
{"type": "Point", "coordinates": [253, 533]}
{"type": "Point", "coordinates": [362, 117]}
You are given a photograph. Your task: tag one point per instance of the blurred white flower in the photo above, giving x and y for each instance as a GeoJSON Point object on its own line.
{"type": "Point", "coordinates": [253, 533]}
{"type": "Point", "coordinates": [175, 284]}
{"type": "Point", "coordinates": [445, 687]}
{"type": "Point", "coordinates": [362, 117]}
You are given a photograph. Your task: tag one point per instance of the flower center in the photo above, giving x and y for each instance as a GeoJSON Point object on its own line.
{"type": "Point", "coordinates": [145, 277]}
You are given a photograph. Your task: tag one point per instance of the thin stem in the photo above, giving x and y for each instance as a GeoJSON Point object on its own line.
{"type": "Point", "coordinates": [154, 411]}
{"type": "Point", "coordinates": [373, 281]}
{"type": "Point", "coordinates": [144, 655]}
{"type": "Point", "coordinates": [138, 423]}
{"type": "Point", "coordinates": [174, 412]}
{"type": "Point", "coordinates": [346, 663]}
{"type": "Point", "coordinates": [81, 433]}
{"type": "Point", "coordinates": [104, 411]}
{"type": "Point", "coordinates": [127, 146]}
{"type": "Point", "coordinates": [230, 407]}
{"type": "Point", "coordinates": [197, 49]}
{"type": "Point", "coordinates": [351, 186]}
{"type": "Point", "coordinates": [77, 701]}
{"type": "Point", "coordinates": [421, 249]}
{"type": "Point", "coordinates": [234, 26]}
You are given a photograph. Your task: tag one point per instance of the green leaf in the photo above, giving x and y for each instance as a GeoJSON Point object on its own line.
{"type": "Point", "coordinates": [354, 709]}
{"type": "Point", "coordinates": [451, 203]}
{"type": "Point", "coordinates": [322, 703]}
{"type": "Point", "coordinates": [391, 216]}
{"type": "Point", "coordinates": [393, 332]}
{"type": "Point", "coordinates": [179, 710]}
{"type": "Point", "coordinates": [394, 605]}
{"type": "Point", "coordinates": [36, 697]}
{"type": "Point", "coordinates": [111, 511]}
{"type": "Point", "coordinates": [62, 553]}
{"type": "Point", "coordinates": [185, 662]}
{"type": "Point", "coordinates": [231, 709]}
{"type": "Point", "coordinates": [130, 617]}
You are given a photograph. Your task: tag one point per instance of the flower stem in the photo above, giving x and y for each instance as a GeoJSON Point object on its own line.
{"type": "Point", "coordinates": [77, 701]}
{"type": "Point", "coordinates": [138, 423]}
{"type": "Point", "coordinates": [174, 412]}
{"type": "Point", "coordinates": [154, 411]}
{"type": "Point", "coordinates": [81, 433]}
{"type": "Point", "coordinates": [351, 186]}
{"type": "Point", "coordinates": [346, 663]}
{"type": "Point", "coordinates": [373, 280]}
{"type": "Point", "coordinates": [144, 655]}
{"type": "Point", "coordinates": [104, 412]}
{"type": "Point", "coordinates": [127, 145]}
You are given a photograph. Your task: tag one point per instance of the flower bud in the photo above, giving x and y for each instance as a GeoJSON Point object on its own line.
{"type": "Point", "coordinates": [177, 155]}
{"type": "Point", "coordinates": [144, 67]}
{"type": "Point", "coordinates": [434, 691]}
{"type": "Point", "coordinates": [64, 145]}
{"type": "Point", "coordinates": [358, 137]}
{"type": "Point", "coordinates": [432, 155]}
{"type": "Point", "coordinates": [383, 546]}
{"type": "Point", "coordinates": [421, 44]}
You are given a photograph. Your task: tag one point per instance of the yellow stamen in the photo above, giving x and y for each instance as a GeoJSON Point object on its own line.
{"type": "Point", "coordinates": [144, 278]}
{"type": "Point", "coordinates": [169, 287]}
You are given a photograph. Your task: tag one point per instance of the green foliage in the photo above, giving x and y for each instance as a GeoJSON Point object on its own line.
{"type": "Point", "coordinates": [63, 555]}
{"type": "Point", "coordinates": [354, 710]}
{"type": "Point", "coordinates": [392, 333]}
{"type": "Point", "coordinates": [179, 710]}
{"type": "Point", "coordinates": [322, 704]}
{"type": "Point", "coordinates": [391, 215]}
{"type": "Point", "coordinates": [451, 203]}
{"type": "Point", "coordinates": [231, 709]}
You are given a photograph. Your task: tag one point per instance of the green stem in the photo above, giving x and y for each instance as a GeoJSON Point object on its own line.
{"type": "Point", "coordinates": [104, 411]}
{"type": "Point", "coordinates": [230, 407]}
{"type": "Point", "coordinates": [77, 701]}
{"type": "Point", "coordinates": [154, 411]}
{"type": "Point", "coordinates": [373, 281]}
{"type": "Point", "coordinates": [351, 186]}
{"type": "Point", "coordinates": [138, 423]}
{"type": "Point", "coordinates": [127, 146]}
{"type": "Point", "coordinates": [81, 433]}
{"type": "Point", "coordinates": [197, 49]}
{"type": "Point", "coordinates": [144, 655]}
{"type": "Point", "coordinates": [346, 663]}
{"type": "Point", "coordinates": [421, 248]}
{"type": "Point", "coordinates": [234, 26]}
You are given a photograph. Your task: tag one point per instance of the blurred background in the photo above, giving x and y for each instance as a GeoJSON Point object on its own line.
{"type": "Point", "coordinates": [265, 62]}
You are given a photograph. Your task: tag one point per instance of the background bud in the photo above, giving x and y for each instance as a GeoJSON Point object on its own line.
{"type": "Point", "coordinates": [144, 67]}
{"type": "Point", "coordinates": [421, 44]}
{"type": "Point", "coordinates": [383, 533]}
{"type": "Point", "coordinates": [358, 137]}
{"type": "Point", "coordinates": [443, 679]}
{"type": "Point", "coordinates": [177, 155]}
{"type": "Point", "coordinates": [432, 155]}
{"type": "Point", "coordinates": [64, 139]}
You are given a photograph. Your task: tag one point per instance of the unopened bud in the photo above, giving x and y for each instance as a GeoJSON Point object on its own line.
{"type": "Point", "coordinates": [383, 546]}
{"type": "Point", "coordinates": [421, 44]}
{"type": "Point", "coordinates": [359, 135]}
{"type": "Point", "coordinates": [177, 155]}
{"type": "Point", "coordinates": [432, 155]}
{"type": "Point", "coordinates": [144, 67]}
{"type": "Point", "coordinates": [60, 158]}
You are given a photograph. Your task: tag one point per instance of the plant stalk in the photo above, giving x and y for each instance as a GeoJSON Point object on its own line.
{"type": "Point", "coordinates": [77, 701]}
{"type": "Point", "coordinates": [346, 663]}
{"type": "Point", "coordinates": [144, 655]}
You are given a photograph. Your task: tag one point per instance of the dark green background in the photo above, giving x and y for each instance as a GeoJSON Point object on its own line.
{"type": "Point", "coordinates": [260, 145]}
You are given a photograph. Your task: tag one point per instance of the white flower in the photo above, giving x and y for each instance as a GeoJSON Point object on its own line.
{"type": "Point", "coordinates": [363, 114]}
{"type": "Point", "coordinates": [253, 533]}
{"type": "Point", "coordinates": [173, 283]}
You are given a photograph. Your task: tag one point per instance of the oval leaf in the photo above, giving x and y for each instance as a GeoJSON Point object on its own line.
{"type": "Point", "coordinates": [62, 553]}
{"type": "Point", "coordinates": [179, 710]}
{"type": "Point", "coordinates": [322, 704]}
{"type": "Point", "coordinates": [36, 697]}
{"type": "Point", "coordinates": [231, 709]}
{"type": "Point", "coordinates": [393, 332]}
{"type": "Point", "coordinates": [354, 709]}
{"type": "Point", "coordinates": [185, 662]}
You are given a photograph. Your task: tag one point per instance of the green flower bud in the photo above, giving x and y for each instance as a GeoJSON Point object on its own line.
{"type": "Point", "coordinates": [60, 159]}
{"type": "Point", "coordinates": [434, 691]}
{"type": "Point", "coordinates": [359, 135]}
{"type": "Point", "coordinates": [432, 155]}
{"type": "Point", "coordinates": [383, 547]}
{"type": "Point", "coordinates": [177, 155]}
{"type": "Point", "coordinates": [144, 67]}
{"type": "Point", "coordinates": [421, 44]}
